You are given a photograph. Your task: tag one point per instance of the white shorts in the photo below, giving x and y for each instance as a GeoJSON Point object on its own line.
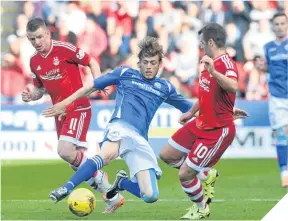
{"type": "Point", "coordinates": [278, 112]}
{"type": "Point", "coordinates": [134, 149]}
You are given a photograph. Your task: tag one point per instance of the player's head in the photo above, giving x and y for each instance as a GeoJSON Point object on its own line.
{"type": "Point", "coordinates": [212, 38]}
{"type": "Point", "coordinates": [280, 25]}
{"type": "Point", "coordinates": [150, 57]}
{"type": "Point", "coordinates": [38, 35]}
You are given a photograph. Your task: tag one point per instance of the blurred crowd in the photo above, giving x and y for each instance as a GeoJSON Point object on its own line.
{"type": "Point", "coordinates": [110, 31]}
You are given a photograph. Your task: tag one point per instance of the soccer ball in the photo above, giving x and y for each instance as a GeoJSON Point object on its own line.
{"type": "Point", "coordinates": [81, 202]}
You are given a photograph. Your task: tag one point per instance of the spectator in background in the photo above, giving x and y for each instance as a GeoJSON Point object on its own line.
{"type": "Point", "coordinates": [93, 40]}
{"type": "Point", "coordinates": [28, 9]}
{"type": "Point", "coordinates": [169, 17]}
{"type": "Point", "coordinates": [258, 35]}
{"type": "Point", "coordinates": [19, 44]}
{"type": "Point", "coordinates": [234, 40]}
{"type": "Point", "coordinates": [121, 18]}
{"type": "Point", "coordinates": [257, 88]}
{"type": "Point", "coordinates": [97, 15]}
{"type": "Point", "coordinates": [111, 58]}
{"type": "Point", "coordinates": [62, 32]}
{"type": "Point", "coordinates": [13, 80]}
{"type": "Point", "coordinates": [261, 10]}
{"type": "Point", "coordinates": [75, 18]}
{"type": "Point", "coordinates": [213, 12]}
{"type": "Point", "coordinates": [193, 16]}
{"type": "Point", "coordinates": [239, 15]}
{"type": "Point", "coordinates": [145, 16]}
{"type": "Point", "coordinates": [185, 61]}
{"type": "Point", "coordinates": [132, 59]}
{"type": "Point", "coordinates": [140, 30]}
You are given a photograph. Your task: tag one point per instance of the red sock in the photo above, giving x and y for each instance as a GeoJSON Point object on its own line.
{"type": "Point", "coordinates": [193, 189]}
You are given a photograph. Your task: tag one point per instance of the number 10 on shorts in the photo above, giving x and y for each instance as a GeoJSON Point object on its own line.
{"type": "Point", "coordinates": [201, 151]}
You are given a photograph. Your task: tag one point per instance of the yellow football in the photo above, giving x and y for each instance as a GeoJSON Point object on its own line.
{"type": "Point", "coordinates": [81, 202]}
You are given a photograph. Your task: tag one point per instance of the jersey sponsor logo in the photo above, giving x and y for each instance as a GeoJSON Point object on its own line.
{"type": "Point", "coordinates": [278, 57]}
{"type": "Point", "coordinates": [33, 75]}
{"type": "Point", "coordinates": [157, 85]}
{"type": "Point", "coordinates": [146, 87]}
{"type": "Point", "coordinates": [204, 83]}
{"type": "Point", "coordinates": [272, 49]}
{"type": "Point", "coordinates": [38, 68]}
{"type": "Point", "coordinates": [80, 54]}
{"type": "Point", "coordinates": [54, 74]}
{"type": "Point", "coordinates": [56, 61]}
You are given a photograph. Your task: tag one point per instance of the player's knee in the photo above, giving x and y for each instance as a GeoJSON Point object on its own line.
{"type": "Point", "coordinates": [163, 156]}
{"type": "Point", "coordinates": [66, 150]}
{"type": "Point", "coordinates": [174, 160]}
{"type": "Point", "coordinates": [186, 173]}
{"type": "Point", "coordinates": [151, 197]}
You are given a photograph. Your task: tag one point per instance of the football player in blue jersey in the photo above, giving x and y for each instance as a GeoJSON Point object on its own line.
{"type": "Point", "coordinates": [276, 53]}
{"type": "Point", "coordinates": [139, 95]}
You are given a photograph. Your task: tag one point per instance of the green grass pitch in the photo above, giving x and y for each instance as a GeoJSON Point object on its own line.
{"type": "Point", "coordinates": [246, 190]}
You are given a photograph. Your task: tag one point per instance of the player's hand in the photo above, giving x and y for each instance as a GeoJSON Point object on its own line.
{"type": "Point", "coordinates": [239, 114]}
{"type": "Point", "coordinates": [185, 117]}
{"type": "Point", "coordinates": [26, 95]}
{"type": "Point", "coordinates": [58, 109]}
{"type": "Point", "coordinates": [209, 63]}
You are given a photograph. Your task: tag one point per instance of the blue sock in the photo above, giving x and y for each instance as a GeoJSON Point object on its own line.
{"type": "Point", "coordinates": [85, 172]}
{"type": "Point", "coordinates": [282, 149]}
{"type": "Point", "coordinates": [282, 156]}
{"type": "Point", "coordinates": [130, 186]}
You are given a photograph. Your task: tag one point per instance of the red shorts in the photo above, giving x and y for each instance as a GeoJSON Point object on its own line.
{"type": "Point", "coordinates": [74, 127]}
{"type": "Point", "coordinates": [204, 147]}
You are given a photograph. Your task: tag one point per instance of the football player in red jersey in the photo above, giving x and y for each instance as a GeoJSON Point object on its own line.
{"type": "Point", "coordinates": [55, 69]}
{"type": "Point", "coordinates": [200, 143]}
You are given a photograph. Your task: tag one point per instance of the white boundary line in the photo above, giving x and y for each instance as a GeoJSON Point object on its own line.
{"type": "Point", "coordinates": [160, 200]}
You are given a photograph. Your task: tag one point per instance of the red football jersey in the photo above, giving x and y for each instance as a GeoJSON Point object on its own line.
{"type": "Point", "coordinates": [216, 104]}
{"type": "Point", "coordinates": [58, 72]}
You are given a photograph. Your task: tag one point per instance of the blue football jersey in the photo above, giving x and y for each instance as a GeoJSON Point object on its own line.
{"type": "Point", "coordinates": [138, 99]}
{"type": "Point", "coordinates": [277, 61]}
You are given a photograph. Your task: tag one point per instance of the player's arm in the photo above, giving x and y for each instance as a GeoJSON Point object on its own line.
{"type": "Point", "coordinates": [99, 83]}
{"type": "Point", "coordinates": [78, 56]}
{"type": "Point", "coordinates": [94, 68]}
{"type": "Point", "coordinates": [229, 84]}
{"type": "Point", "coordinates": [182, 104]}
{"type": "Point", "coordinates": [178, 101]}
{"type": "Point", "coordinates": [38, 90]}
{"type": "Point", "coordinates": [35, 94]}
{"type": "Point", "coordinates": [194, 109]}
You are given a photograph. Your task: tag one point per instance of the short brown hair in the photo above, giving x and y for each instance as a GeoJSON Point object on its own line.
{"type": "Point", "coordinates": [150, 47]}
{"type": "Point", "coordinates": [215, 32]}
{"type": "Point", "coordinates": [279, 14]}
{"type": "Point", "coordinates": [34, 24]}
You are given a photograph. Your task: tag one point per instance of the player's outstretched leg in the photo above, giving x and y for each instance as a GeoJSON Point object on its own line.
{"type": "Point", "coordinates": [115, 187]}
{"type": "Point", "coordinates": [99, 180]}
{"type": "Point", "coordinates": [145, 188]}
{"type": "Point", "coordinates": [85, 172]}
{"type": "Point", "coordinates": [191, 185]}
{"type": "Point", "coordinates": [176, 157]}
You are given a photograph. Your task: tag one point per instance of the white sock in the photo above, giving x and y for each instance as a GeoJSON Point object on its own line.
{"type": "Point", "coordinates": [201, 205]}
